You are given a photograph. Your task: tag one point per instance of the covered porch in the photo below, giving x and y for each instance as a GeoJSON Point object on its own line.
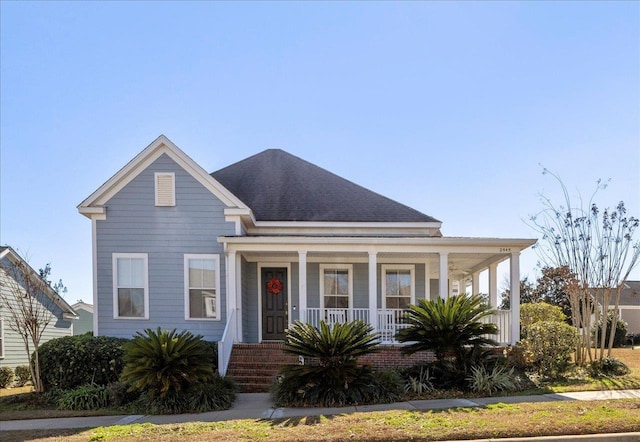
{"type": "Point", "coordinates": [339, 279]}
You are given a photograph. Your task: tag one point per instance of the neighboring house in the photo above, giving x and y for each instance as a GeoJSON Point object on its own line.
{"type": "Point", "coordinates": [84, 323]}
{"type": "Point", "coordinates": [630, 306]}
{"type": "Point", "coordinates": [12, 349]}
{"type": "Point", "coordinates": [245, 251]}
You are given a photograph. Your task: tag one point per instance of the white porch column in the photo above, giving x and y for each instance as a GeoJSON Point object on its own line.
{"type": "Point", "coordinates": [475, 283]}
{"type": "Point", "coordinates": [493, 285]}
{"type": "Point", "coordinates": [373, 290]}
{"type": "Point", "coordinates": [239, 297]}
{"type": "Point", "coordinates": [444, 275]}
{"type": "Point", "coordinates": [515, 297]}
{"type": "Point", "coordinates": [427, 280]}
{"type": "Point", "coordinates": [302, 285]}
{"type": "Point", "coordinates": [232, 279]}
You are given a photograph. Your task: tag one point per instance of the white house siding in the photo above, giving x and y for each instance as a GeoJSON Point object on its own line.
{"type": "Point", "coordinates": [135, 225]}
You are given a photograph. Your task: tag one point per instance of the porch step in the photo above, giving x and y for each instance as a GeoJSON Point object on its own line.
{"type": "Point", "coordinates": [255, 366]}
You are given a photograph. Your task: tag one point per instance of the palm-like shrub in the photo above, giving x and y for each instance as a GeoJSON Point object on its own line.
{"type": "Point", "coordinates": [447, 327]}
{"type": "Point", "coordinates": [330, 375]}
{"type": "Point", "coordinates": [162, 363]}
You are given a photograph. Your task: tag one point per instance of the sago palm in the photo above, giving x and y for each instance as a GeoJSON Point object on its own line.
{"type": "Point", "coordinates": [331, 375]}
{"type": "Point", "coordinates": [447, 327]}
{"type": "Point", "coordinates": [164, 362]}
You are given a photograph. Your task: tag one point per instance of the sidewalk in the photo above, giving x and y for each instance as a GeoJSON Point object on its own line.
{"type": "Point", "coordinates": [260, 406]}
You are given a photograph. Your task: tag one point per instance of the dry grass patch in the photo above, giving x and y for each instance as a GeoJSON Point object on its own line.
{"type": "Point", "coordinates": [494, 421]}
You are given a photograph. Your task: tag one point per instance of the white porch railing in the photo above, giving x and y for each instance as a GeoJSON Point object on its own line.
{"type": "Point", "coordinates": [502, 319]}
{"type": "Point", "coordinates": [225, 345]}
{"type": "Point", "coordinates": [390, 321]}
{"type": "Point", "coordinates": [336, 315]}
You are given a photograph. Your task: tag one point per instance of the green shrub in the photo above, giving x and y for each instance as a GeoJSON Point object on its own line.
{"type": "Point", "coordinates": [331, 377]}
{"type": "Point", "coordinates": [388, 387]}
{"type": "Point", "coordinates": [72, 361]}
{"type": "Point", "coordinates": [448, 328]}
{"type": "Point", "coordinates": [217, 394]}
{"type": "Point", "coordinates": [421, 382]}
{"type": "Point", "coordinates": [489, 381]}
{"type": "Point", "coordinates": [87, 397]}
{"type": "Point", "coordinates": [532, 313]}
{"type": "Point", "coordinates": [6, 377]}
{"type": "Point", "coordinates": [23, 375]}
{"type": "Point", "coordinates": [120, 394]}
{"type": "Point", "coordinates": [621, 330]}
{"type": "Point", "coordinates": [164, 363]}
{"type": "Point", "coordinates": [608, 367]}
{"type": "Point", "coordinates": [549, 346]}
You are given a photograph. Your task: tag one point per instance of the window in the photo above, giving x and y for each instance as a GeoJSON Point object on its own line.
{"type": "Point", "coordinates": [1, 338]}
{"type": "Point", "coordinates": [336, 286]}
{"type": "Point", "coordinates": [201, 281]}
{"type": "Point", "coordinates": [398, 286]}
{"type": "Point", "coordinates": [130, 286]}
{"type": "Point", "coordinates": [165, 189]}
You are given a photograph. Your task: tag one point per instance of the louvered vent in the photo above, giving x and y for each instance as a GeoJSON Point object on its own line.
{"type": "Point", "coordinates": [165, 189]}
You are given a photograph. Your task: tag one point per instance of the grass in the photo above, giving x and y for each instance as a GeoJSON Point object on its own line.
{"type": "Point", "coordinates": [493, 421]}
{"type": "Point", "coordinates": [550, 418]}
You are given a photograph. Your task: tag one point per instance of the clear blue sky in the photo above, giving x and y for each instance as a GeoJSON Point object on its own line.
{"type": "Point", "coordinates": [447, 107]}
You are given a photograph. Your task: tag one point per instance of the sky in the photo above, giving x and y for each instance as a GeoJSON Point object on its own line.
{"type": "Point", "coordinates": [448, 107]}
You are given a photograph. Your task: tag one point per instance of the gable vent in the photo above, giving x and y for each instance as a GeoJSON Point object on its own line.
{"type": "Point", "coordinates": [165, 189]}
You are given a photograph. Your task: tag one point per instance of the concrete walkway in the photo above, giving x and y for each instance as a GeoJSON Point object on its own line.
{"type": "Point", "coordinates": [260, 406]}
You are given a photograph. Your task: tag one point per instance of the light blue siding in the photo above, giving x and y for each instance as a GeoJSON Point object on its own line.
{"type": "Point", "coordinates": [249, 301]}
{"type": "Point", "coordinates": [135, 225]}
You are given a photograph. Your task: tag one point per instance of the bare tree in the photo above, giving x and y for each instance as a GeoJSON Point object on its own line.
{"type": "Point", "coordinates": [30, 300]}
{"type": "Point", "coordinates": [600, 251]}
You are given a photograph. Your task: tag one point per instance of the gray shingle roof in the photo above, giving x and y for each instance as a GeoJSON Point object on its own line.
{"type": "Point", "coordinates": [278, 186]}
{"type": "Point", "coordinates": [630, 294]}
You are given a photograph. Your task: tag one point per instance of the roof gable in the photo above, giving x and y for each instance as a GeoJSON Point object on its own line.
{"type": "Point", "coordinates": [13, 257]}
{"type": "Point", "coordinates": [278, 186]}
{"type": "Point", "coordinates": [93, 205]}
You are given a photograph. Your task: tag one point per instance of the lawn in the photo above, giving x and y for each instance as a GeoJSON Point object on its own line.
{"type": "Point", "coordinates": [487, 422]}
{"type": "Point", "coordinates": [493, 421]}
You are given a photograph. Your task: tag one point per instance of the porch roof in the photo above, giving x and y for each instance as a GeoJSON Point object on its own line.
{"type": "Point", "coordinates": [465, 255]}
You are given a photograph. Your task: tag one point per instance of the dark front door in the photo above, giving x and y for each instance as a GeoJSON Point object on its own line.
{"type": "Point", "coordinates": [274, 303]}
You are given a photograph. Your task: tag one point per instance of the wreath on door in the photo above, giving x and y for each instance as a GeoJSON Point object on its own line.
{"type": "Point", "coordinates": [274, 286]}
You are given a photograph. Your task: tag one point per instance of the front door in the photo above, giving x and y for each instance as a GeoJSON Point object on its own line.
{"type": "Point", "coordinates": [274, 303]}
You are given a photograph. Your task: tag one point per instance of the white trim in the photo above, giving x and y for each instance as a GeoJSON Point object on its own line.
{"type": "Point", "coordinates": [159, 183]}
{"type": "Point", "coordinates": [94, 257]}
{"type": "Point", "coordinates": [161, 145]}
{"type": "Point", "coordinates": [2, 341]}
{"type": "Point", "coordinates": [216, 261]}
{"type": "Point", "coordinates": [259, 279]}
{"type": "Point", "coordinates": [349, 268]}
{"type": "Point", "coordinates": [145, 266]}
{"type": "Point", "coordinates": [383, 278]}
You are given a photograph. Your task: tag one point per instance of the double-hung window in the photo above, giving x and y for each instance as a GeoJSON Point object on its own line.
{"type": "Point", "coordinates": [130, 286]}
{"type": "Point", "coordinates": [202, 286]}
{"type": "Point", "coordinates": [336, 285]}
{"type": "Point", "coordinates": [398, 286]}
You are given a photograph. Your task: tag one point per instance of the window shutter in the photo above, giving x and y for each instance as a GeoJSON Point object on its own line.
{"type": "Point", "coordinates": [165, 189]}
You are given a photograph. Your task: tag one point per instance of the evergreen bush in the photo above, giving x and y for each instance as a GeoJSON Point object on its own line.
{"type": "Point", "coordinates": [73, 361]}
{"type": "Point", "coordinates": [620, 336]}
{"type": "Point", "coordinates": [549, 346]}
{"type": "Point", "coordinates": [23, 375]}
{"type": "Point", "coordinates": [6, 377]}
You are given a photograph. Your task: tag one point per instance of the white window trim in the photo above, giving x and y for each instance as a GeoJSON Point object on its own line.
{"type": "Point", "coordinates": [391, 267]}
{"type": "Point", "coordinates": [114, 266]}
{"type": "Point", "coordinates": [173, 189]}
{"type": "Point", "coordinates": [349, 268]}
{"type": "Point", "coordinates": [2, 342]}
{"type": "Point", "coordinates": [216, 259]}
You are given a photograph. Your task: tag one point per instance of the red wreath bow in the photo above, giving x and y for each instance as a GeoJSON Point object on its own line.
{"type": "Point", "coordinates": [274, 286]}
